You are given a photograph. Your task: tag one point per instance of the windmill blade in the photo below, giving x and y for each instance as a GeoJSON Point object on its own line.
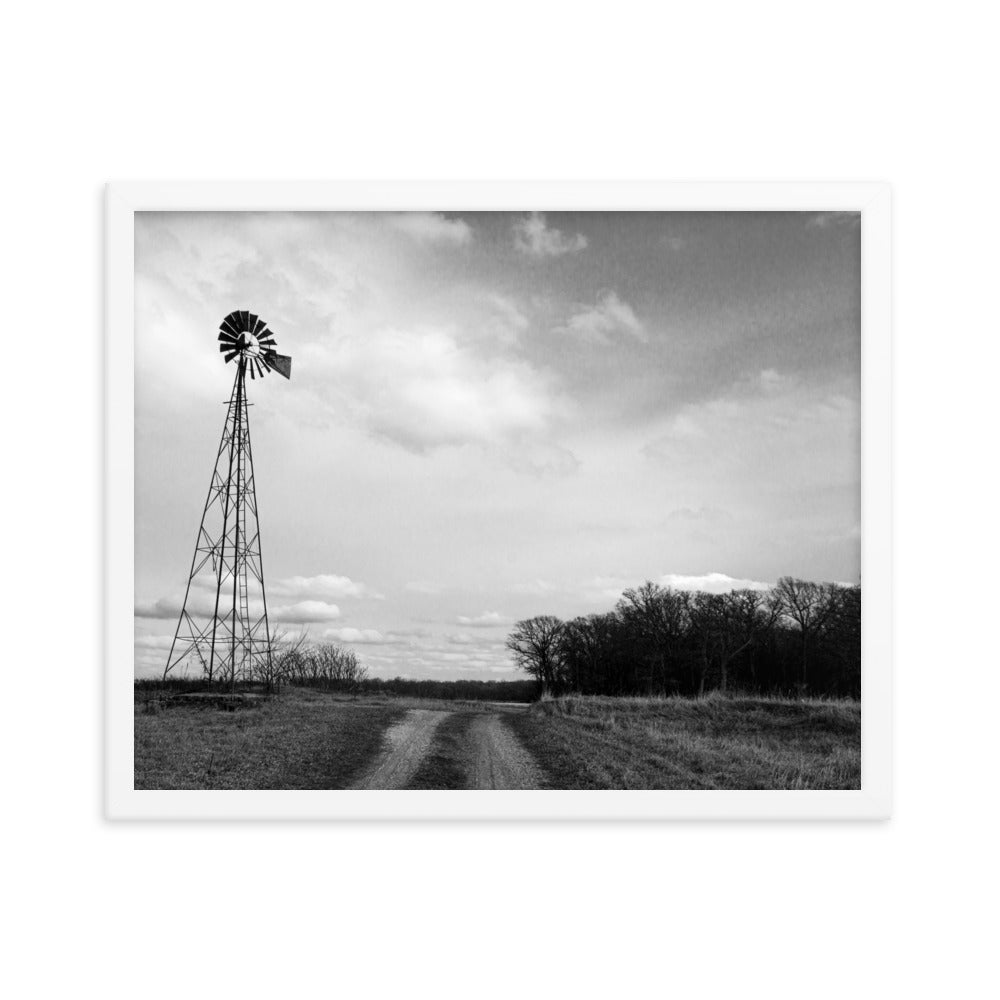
{"type": "Point", "coordinates": [236, 337]}
{"type": "Point", "coordinates": [281, 363]}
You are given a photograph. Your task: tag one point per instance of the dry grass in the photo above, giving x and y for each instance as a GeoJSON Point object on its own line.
{"type": "Point", "coordinates": [684, 743]}
{"type": "Point", "coordinates": [448, 761]}
{"type": "Point", "coordinates": [313, 739]}
{"type": "Point", "coordinates": [304, 739]}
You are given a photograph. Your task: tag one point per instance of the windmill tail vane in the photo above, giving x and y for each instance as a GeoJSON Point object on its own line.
{"type": "Point", "coordinates": [223, 628]}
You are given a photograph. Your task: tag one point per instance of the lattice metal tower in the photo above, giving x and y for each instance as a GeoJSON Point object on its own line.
{"type": "Point", "coordinates": [223, 629]}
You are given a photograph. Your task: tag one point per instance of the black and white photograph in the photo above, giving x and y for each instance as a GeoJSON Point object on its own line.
{"type": "Point", "coordinates": [512, 500]}
{"type": "Point", "coordinates": [500, 500]}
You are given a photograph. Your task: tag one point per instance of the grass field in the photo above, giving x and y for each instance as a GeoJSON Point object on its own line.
{"type": "Point", "coordinates": [682, 743]}
{"type": "Point", "coordinates": [304, 739]}
{"type": "Point", "coordinates": [311, 739]}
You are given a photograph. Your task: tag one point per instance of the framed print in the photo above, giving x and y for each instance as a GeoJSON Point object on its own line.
{"type": "Point", "coordinates": [498, 500]}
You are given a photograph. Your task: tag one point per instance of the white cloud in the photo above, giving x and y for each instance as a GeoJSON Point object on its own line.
{"type": "Point", "coordinates": [431, 227]}
{"type": "Point", "coordinates": [543, 458]}
{"type": "Point", "coordinates": [824, 220]}
{"type": "Point", "coordinates": [703, 513]}
{"type": "Point", "coordinates": [534, 588]}
{"type": "Point", "coordinates": [776, 430]}
{"type": "Point", "coordinates": [710, 583]}
{"type": "Point", "coordinates": [506, 322]}
{"type": "Point", "coordinates": [162, 607]}
{"type": "Point", "coordinates": [533, 236]}
{"type": "Point", "coordinates": [150, 654]}
{"type": "Point", "coordinates": [306, 599]}
{"type": "Point", "coordinates": [200, 602]}
{"type": "Point", "coordinates": [406, 634]}
{"type": "Point", "coordinates": [458, 639]}
{"type": "Point", "coordinates": [605, 589]}
{"type": "Point", "coordinates": [325, 586]}
{"type": "Point", "coordinates": [599, 324]}
{"type": "Point", "coordinates": [771, 380]}
{"type": "Point", "coordinates": [424, 388]}
{"type": "Point", "coordinates": [488, 619]}
{"type": "Point", "coordinates": [305, 612]}
{"type": "Point", "coordinates": [154, 642]}
{"type": "Point", "coordinates": [359, 636]}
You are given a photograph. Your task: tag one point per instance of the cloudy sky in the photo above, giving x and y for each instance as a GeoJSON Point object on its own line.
{"type": "Point", "coordinates": [498, 415]}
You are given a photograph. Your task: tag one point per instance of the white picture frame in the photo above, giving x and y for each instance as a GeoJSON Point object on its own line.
{"type": "Point", "coordinates": [872, 801]}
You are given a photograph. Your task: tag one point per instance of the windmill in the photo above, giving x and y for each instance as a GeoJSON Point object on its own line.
{"type": "Point", "coordinates": [223, 625]}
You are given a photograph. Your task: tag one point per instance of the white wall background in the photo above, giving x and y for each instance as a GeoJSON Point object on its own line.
{"type": "Point", "coordinates": [713, 91]}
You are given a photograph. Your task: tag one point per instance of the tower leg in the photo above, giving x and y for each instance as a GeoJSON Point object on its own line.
{"type": "Point", "coordinates": [232, 420]}
{"type": "Point", "coordinates": [239, 568]}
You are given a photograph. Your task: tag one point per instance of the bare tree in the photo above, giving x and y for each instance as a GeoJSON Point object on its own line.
{"type": "Point", "coordinates": [703, 618]}
{"type": "Point", "coordinates": [725, 625]}
{"type": "Point", "coordinates": [809, 607]}
{"type": "Point", "coordinates": [278, 668]}
{"type": "Point", "coordinates": [741, 617]}
{"type": "Point", "coordinates": [580, 648]}
{"type": "Point", "coordinates": [535, 645]}
{"type": "Point", "coordinates": [322, 665]}
{"type": "Point", "coordinates": [842, 636]}
{"type": "Point", "coordinates": [658, 617]}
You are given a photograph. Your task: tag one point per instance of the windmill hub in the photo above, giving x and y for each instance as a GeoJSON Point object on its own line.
{"type": "Point", "coordinates": [248, 343]}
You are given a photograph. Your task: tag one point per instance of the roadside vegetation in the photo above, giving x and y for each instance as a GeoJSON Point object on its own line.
{"type": "Point", "coordinates": [304, 739]}
{"type": "Point", "coordinates": [309, 738]}
{"type": "Point", "coordinates": [715, 742]}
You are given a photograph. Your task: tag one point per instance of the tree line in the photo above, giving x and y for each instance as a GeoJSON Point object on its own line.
{"type": "Point", "coordinates": [797, 638]}
{"type": "Point", "coordinates": [333, 668]}
{"type": "Point", "coordinates": [291, 661]}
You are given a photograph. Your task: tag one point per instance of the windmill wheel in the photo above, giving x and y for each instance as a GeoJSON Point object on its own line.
{"type": "Point", "coordinates": [246, 336]}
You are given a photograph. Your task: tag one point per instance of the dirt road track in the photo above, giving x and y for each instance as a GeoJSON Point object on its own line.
{"type": "Point", "coordinates": [499, 759]}
{"type": "Point", "coordinates": [409, 740]}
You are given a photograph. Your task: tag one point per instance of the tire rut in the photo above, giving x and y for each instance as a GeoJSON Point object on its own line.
{"type": "Point", "coordinates": [499, 759]}
{"type": "Point", "coordinates": [408, 742]}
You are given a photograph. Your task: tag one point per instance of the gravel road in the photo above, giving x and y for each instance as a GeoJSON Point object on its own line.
{"type": "Point", "coordinates": [408, 741]}
{"type": "Point", "coordinates": [495, 757]}
{"type": "Point", "coordinates": [500, 760]}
